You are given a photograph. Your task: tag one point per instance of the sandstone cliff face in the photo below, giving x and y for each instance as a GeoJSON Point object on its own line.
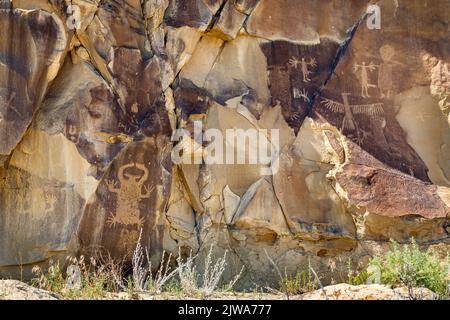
{"type": "Point", "coordinates": [87, 115]}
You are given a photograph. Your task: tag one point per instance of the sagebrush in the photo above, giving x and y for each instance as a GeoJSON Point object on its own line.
{"type": "Point", "coordinates": [408, 266]}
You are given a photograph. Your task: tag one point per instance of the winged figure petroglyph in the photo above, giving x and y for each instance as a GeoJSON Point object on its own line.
{"type": "Point", "coordinates": [349, 123]}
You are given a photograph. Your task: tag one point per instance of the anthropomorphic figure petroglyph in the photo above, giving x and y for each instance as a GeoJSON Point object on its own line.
{"type": "Point", "coordinates": [349, 124]}
{"type": "Point", "coordinates": [385, 71]}
{"type": "Point", "coordinates": [41, 201]}
{"type": "Point", "coordinates": [365, 80]}
{"type": "Point", "coordinates": [304, 66]}
{"type": "Point", "coordinates": [129, 194]}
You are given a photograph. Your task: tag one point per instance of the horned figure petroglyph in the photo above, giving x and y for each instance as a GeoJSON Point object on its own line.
{"type": "Point", "coordinates": [304, 66]}
{"type": "Point", "coordinates": [349, 123]}
{"type": "Point", "coordinates": [365, 80]}
{"type": "Point", "coordinates": [129, 194]}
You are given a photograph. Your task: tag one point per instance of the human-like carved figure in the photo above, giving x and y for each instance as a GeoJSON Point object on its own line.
{"type": "Point", "coordinates": [129, 194]}
{"type": "Point", "coordinates": [304, 65]}
{"type": "Point", "coordinates": [385, 71]}
{"type": "Point", "coordinates": [50, 202]}
{"type": "Point", "coordinates": [349, 123]}
{"type": "Point", "coordinates": [365, 81]}
{"type": "Point", "coordinates": [43, 201]}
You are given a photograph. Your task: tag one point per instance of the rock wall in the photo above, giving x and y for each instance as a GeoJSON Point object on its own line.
{"type": "Point", "coordinates": [87, 115]}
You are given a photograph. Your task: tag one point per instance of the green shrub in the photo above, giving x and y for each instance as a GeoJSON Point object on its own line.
{"type": "Point", "coordinates": [302, 282]}
{"type": "Point", "coordinates": [355, 278]}
{"type": "Point", "coordinates": [51, 280]}
{"type": "Point", "coordinates": [408, 266]}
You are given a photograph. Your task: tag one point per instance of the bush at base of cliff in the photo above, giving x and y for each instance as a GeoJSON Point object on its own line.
{"type": "Point", "coordinates": [97, 280]}
{"type": "Point", "coordinates": [301, 283]}
{"type": "Point", "coordinates": [408, 266]}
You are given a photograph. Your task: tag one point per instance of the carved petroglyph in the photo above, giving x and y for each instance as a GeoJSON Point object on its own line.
{"type": "Point", "coordinates": [349, 123]}
{"type": "Point", "coordinates": [50, 202]}
{"type": "Point", "coordinates": [304, 66]}
{"type": "Point", "coordinates": [385, 71]}
{"type": "Point", "coordinates": [301, 95]}
{"type": "Point", "coordinates": [72, 133]}
{"type": "Point", "coordinates": [129, 194]}
{"type": "Point", "coordinates": [364, 77]}
{"type": "Point", "coordinates": [28, 203]}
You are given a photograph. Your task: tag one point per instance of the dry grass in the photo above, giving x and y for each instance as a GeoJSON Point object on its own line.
{"type": "Point", "coordinates": [193, 283]}
{"type": "Point", "coordinates": [104, 278]}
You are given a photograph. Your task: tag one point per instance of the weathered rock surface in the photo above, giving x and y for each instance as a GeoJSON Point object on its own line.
{"type": "Point", "coordinates": [87, 115]}
{"type": "Point", "coordinates": [367, 292]}
{"type": "Point", "coordinates": [16, 290]}
{"type": "Point", "coordinates": [34, 46]}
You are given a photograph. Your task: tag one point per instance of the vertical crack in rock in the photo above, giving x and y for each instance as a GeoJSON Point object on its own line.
{"type": "Point", "coordinates": [216, 16]}
{"type": "Point", "coordinates": [340, 53]}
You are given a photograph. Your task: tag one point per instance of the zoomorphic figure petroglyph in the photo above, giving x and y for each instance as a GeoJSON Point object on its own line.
{"type": "Point", "coordinates": [304, 66]}
{"type": "Point", "coordinates": [301, 95]}
{"type": "Point", "coordinates": [129, 194]}
{"type": "Point", "coordinates": [349, 123]}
